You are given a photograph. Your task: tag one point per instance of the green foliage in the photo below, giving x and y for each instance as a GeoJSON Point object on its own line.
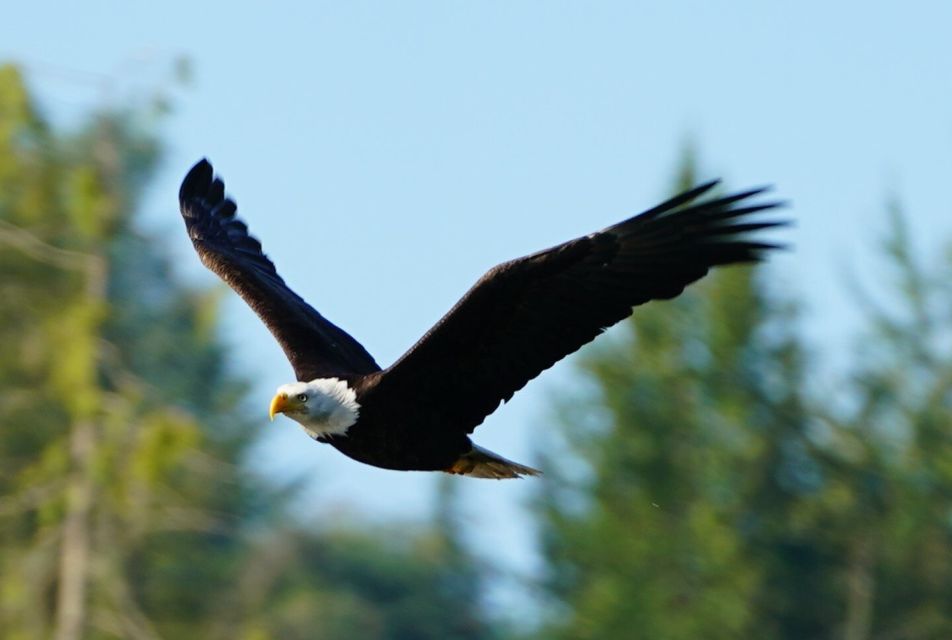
{"type": "Point", "coordinates": [381, 584]}
{"type": "Point", "coordinates": [97, 459]}
{"type": "Point", "coordinates": [656, 534]}
{"type": "Point", "coordinates": [705, 492]}
{"type": "Point", "coordinates": [126, 508]}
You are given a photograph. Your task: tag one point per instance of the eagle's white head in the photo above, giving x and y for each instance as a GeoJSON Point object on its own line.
{"type": "Point", "coordinates": [324, 406]}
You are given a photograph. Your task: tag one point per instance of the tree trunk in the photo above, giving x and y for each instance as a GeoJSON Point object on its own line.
{"type": "Point", "coordinates": [74, 549]}
{"type": "Point", "coordinates": [76, 543]}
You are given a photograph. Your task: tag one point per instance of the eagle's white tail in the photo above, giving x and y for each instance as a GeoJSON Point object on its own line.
{"type": "Point", "coordinates": [482, 463]}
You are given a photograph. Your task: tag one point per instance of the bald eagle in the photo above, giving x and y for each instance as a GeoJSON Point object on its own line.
{"type": "Point", "coordinates": [519, 319]}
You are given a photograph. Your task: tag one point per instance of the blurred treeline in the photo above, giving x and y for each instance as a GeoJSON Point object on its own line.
{"type": "Point", "coordinates": [701, 483]}
{"type": "Point", "coordinates": [127, 509]}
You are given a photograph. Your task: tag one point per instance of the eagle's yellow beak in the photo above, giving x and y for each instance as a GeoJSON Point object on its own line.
{"type": "Point", "coordinates": [278, 404]}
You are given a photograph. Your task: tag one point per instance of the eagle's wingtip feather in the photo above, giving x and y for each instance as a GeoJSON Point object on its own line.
{"type": "Point", "coordinates": [197, 180]}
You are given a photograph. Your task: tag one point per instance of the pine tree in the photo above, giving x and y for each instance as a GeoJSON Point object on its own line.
{"type": "Point", "coordinates": [649, 537]}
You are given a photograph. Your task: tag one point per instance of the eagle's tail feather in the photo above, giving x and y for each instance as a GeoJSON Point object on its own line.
{"type": "Point", "coordinates": [482, 463]}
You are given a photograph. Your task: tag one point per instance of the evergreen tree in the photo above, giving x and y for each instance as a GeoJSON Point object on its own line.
{"type": "Point", "coordinates": [650, 536]}
{"type": "Point", "coordinates": [889, 509]}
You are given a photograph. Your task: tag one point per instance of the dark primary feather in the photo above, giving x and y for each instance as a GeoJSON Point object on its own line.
{"type": "Point", "coordinates": [525, 315]}
{"type": "Point", "coordinates": [314, 345]}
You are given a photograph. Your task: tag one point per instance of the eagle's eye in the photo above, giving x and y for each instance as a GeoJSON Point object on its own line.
{"type": "Point", "coordinates": [302, 397]}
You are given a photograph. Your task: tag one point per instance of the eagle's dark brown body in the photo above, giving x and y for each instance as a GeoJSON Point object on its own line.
{"type": "Point", "coordinates": [519, 319]}
{"type": "Point", "coordinates": [385, 437]}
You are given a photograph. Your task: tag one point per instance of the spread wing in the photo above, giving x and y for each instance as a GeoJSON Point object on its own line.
{"type": "Point", "coordinates": [315, 346]}
{"type": "Point", "coordinates": [525, 315]}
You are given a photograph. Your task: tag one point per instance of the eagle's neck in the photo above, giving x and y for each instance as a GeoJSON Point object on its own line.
{"type": "Point", "coordinates": [332, 410]}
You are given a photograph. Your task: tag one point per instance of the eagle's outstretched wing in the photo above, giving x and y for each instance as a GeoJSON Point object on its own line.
{"type": "Point", "coordinates": [525, 315]}
{"type": "Point", "coordinates": [315, 346]}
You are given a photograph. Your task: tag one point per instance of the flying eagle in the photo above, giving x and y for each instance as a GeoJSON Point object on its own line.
{"type": "Point", "coordinates": [519, 319]}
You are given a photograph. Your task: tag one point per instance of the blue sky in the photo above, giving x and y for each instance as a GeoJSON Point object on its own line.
{"type": "Point", "coordinates": [386, 154]}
